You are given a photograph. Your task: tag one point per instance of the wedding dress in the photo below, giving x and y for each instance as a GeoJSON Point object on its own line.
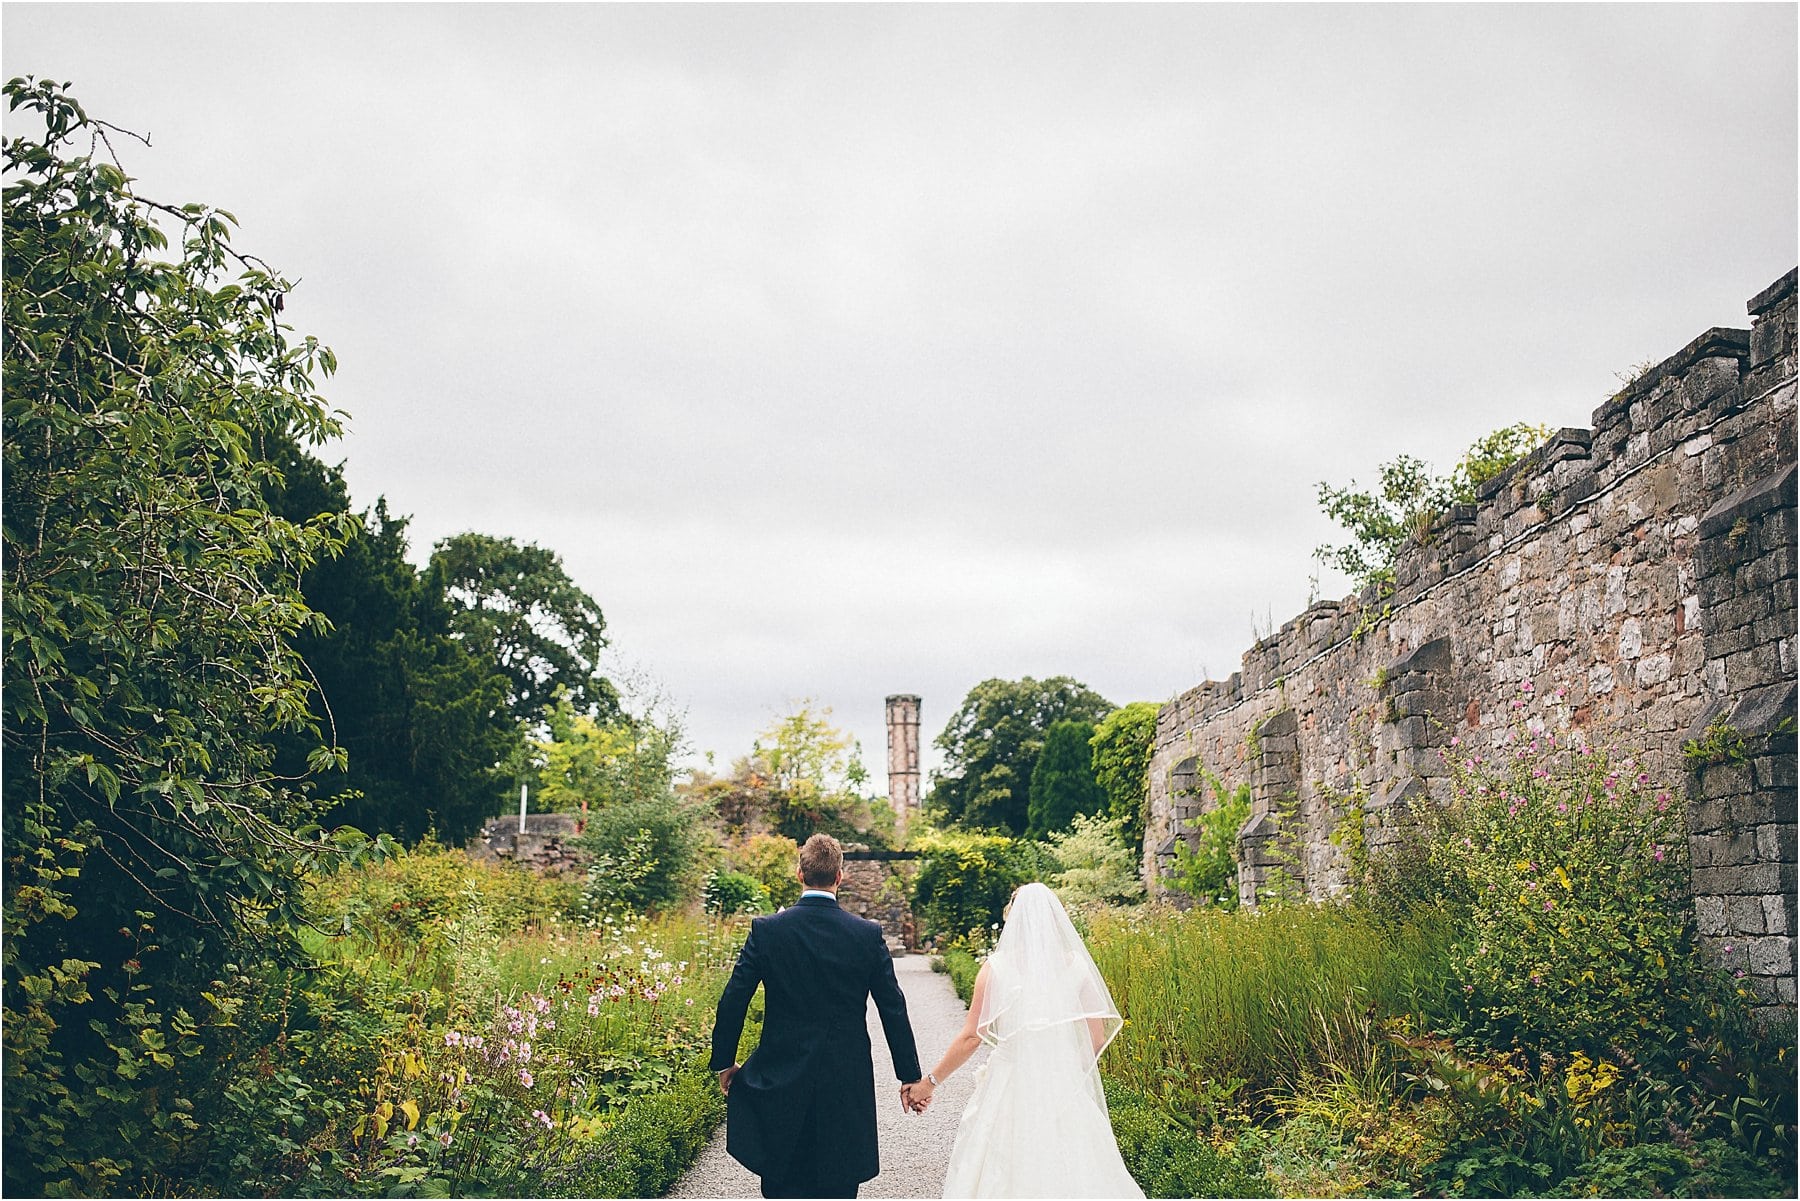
{"type": "Point", "coordinates": [1036, 1125]}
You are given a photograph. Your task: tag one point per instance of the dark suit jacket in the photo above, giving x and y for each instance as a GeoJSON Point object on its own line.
{"type": "Point", "coordinates": [811, 1079]}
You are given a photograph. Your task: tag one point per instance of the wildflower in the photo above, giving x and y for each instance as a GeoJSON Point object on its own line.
{"type": "Point", "coordinates": [1728, 948]}
{"type": "Point", "coordinates": [445, 1138]}
{"type": "Point", "coordinates": [1457, 741]}
{"type": "Point", "coordinates": [1659, 853]}
{"type": "Point", "coordinates": [1536, 979]}
{"type": "Point", "coordinates": [1525, 686]}
{"type": "Point", "coordinates": [1738, 975]}
{"type": "Point", "coordinates": [1643, 777]}
{"type": "Point", "coordinates": [525, 1078]}
{"type": "Point", "coordinates": [452, 1038]}
{"type": "Point", "coordinates": [543, 1117]}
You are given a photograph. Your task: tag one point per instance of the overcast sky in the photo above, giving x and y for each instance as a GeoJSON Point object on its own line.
{"type": "Point", "coordinates": [844, 351]}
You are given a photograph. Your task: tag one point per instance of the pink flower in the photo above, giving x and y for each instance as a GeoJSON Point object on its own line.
{"type": "Point", "coordinates": [1456, 741]}
{"type": "Point", "coordinates": [1536, 979]}
{"type": "Point", "coordinates": [525, 1078]}
{"type": "Point", "coordinates": [1525, 686]}
{"type": "Point", "coordinates": [1659, 854]}
{"type": "Point", "coordinates": [543, 1117]}
{"type": "Point", "coordinates": [445, 1138]}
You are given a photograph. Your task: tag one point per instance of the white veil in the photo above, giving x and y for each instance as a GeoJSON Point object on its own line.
{"type": "Point", "coordinates": [1040, 979]}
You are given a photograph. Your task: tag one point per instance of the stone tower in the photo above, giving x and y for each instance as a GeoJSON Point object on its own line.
{"type": "Point", "coordinates": [903, 759]}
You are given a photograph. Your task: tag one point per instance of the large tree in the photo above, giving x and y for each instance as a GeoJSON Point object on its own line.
{"type": "Point", "coordinates": [991, 746]}
{"type": "Point", "coordinates": [1062, 783]}
{"type": "Point", "coordinates": [517, 606]}
{"type": "Point", "coordinates": [1122, 745]}
{"type": "Point", "coordinates": [151, 603]}
{"type": "Point", "coordinates": [426, 724]}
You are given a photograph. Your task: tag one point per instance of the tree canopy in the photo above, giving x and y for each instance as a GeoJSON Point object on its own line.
{"type": "Point", "coordinates": [991, 746]}
{"type": "Point", "coordinates": [1122, 744]}
{"type": "Point", "coordinates": [1062, 783]}
{"type": "Point", "coordinates": [425, 722]}
{"type": "Point", "coordinates": [517, 606]}
{"type": "Point", "coordinates": [151, 605]}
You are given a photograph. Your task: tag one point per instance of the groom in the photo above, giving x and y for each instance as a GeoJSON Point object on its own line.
{"type": "Point", "coordinates": [800, 1112]}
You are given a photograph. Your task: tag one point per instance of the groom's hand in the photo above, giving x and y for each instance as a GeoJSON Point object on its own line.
{"type": "Point", "coordinates": [725, 1078]}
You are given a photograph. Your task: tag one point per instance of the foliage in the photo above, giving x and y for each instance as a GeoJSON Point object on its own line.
{"type": "Point", "coordinates": [422, 721]}
{"type": "Point", "coordinates": [1710, 1168]}
{"type": "Point", "coordinates": [1121, 745]}
{"type": "Point", "coordinates": [646, 855]}
{"type": "Point", "coordinates": [1168, 1159]}
{"type": "Point", "coordinates": [399, 901]}
{"type": "Point", "coordinates": [1062, 783]}
{"type": "Point", "coordinates": [962, 967]}
{"type": "Point", "coordinates": [772, 861]}
{"type": "Point", "coordinates": [150, 605]}
{"type": "Point", "coordinates": [517, 607]}
{"type": "Point", "coordinates": [1207, 870]}
{"type": "Point", "coordinates": [728, 892]}
{"type": "Point", "coordinates": [586, 762]}
{"type": "Point", "coordinates": [1720, 742]}
{"type": "Point", "coordinates": [1410, 498]}
{"type": "Point", "coordinates": [991, 746]}
{"type": "Point", "coordinates": [803, 776]}
{"type": "Point", "coordinates": [1571, 873]}
{"type": "Point", "coordinates": [965, 880]}
{"type": "Point", "coordinates": [1096, 867]}
{"type": "Point", "coordinates": [1245, 1004]}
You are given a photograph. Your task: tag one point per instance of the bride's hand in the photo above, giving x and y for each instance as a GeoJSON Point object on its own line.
{"type": "Point", "coordinates": [921, 1091]}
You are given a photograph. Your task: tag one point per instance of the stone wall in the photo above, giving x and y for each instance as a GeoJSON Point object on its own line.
{"type": "Point", "coordinates": [878, 885]}
{"type": "Point", "coordinates": [1639, 575]}
{"type": "Point", "coordinates": [543, 846]}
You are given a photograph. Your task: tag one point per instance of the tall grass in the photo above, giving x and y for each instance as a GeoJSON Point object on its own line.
{"type": "Point", "coordinates": [1246, 1005]}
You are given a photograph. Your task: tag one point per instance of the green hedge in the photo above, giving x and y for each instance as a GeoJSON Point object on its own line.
{"type": "Point", "coordinates": [1169, 1160]}
{"type": "Point", "coordinates": [656, 1139]}
{"type": "Point", "coordinates": [962, 968]}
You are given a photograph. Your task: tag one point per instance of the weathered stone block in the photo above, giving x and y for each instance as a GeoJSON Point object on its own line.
{"type": "Point", "coordinates": [1772, 955]}
{"type": "Point", "coordinates": [1712, 915]}
{"type": "Point", "coordinates": [1775, 841]}
{"type": "Point", "coordinates": [1776, 772]}
{"type": "Point", "coordinates": [1747, 915]}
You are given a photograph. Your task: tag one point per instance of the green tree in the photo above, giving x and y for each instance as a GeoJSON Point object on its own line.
{"type": "Point", "coordinates": [1121, 745]}
{"type": "Point", "coordinates": [1062, 783]}
{"type": "Point", "coordinates": [425, 724]}
{"type": "Point", "coordinates": [150, 606]}
{"type": "Point", "coordinates": [517, 606]}
{"type": "Point", "coordinates": [583, 760]}
{"type": "Point", "coordinates": [646, 855]}
{"type": "Point", "coordinates": [1410, 498]}
{"type": "Point", "coordinates": [991, 746]}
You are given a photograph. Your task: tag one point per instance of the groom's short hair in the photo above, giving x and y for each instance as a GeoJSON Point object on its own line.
{"type": "Point", "coordinates": [821, 859]}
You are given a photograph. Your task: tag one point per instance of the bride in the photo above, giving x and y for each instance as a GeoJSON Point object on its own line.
{"type": "Point", "coordinates": [1036, 1125]}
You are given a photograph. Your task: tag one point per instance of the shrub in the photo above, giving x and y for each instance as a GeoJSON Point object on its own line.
{"type": "Point", "coordinates": [962, 967]}
{"type": "Point", "coordinates": [966, 880]}
{"type": "Point", "coordinates": [1168, 1159]}
{"type": "Point", "coordinates": [733, 892]}
{"type": "Point", "coordinates": [1208, 872]}
{"type": "Point", "coordinates": [772, 861]}
{"type": "Point", "coordinates": [1569, 872]}
{"type": "Point", "coordinates": [1712, 1168]}
{"type": "Point", "coordinates": [646, 855]}
{"type": "Point", "coordinates": [1096, 866]}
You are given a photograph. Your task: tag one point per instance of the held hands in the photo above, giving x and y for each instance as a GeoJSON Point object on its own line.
{"type": "Point", "coordinates": [916, 1097]}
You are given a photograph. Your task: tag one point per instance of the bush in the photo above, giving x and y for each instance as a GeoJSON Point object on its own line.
{"type": "Point", "coordinates": [1169, 1160]}
{"type": "Point", "coordinates": [1712, 1168]}
{"type": "Point", "coordinates": [962, 968]}
{"type": "Point", "coordinates": [655, 1140]}
{"type": "Point", "coordinates": [1209, 872]}
{"type": "Point", "coordinates": [772, 861]}
{"type": "Point", "coordinates": [646, 856]}
{"type": "Point", "coordinates": [733, 892]}
{"type": "Point", "coordinates": [1096, 866]}
{"type": "Point", "coordinates": [1569, 874]}
{"type": "Point", "coordinates": [416, 890]}
{"type": "Point", "coordinates": [966, 880]}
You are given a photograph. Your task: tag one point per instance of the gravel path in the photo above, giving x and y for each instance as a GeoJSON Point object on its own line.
{"type": "Point", "coordinates": [915, 1150]}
